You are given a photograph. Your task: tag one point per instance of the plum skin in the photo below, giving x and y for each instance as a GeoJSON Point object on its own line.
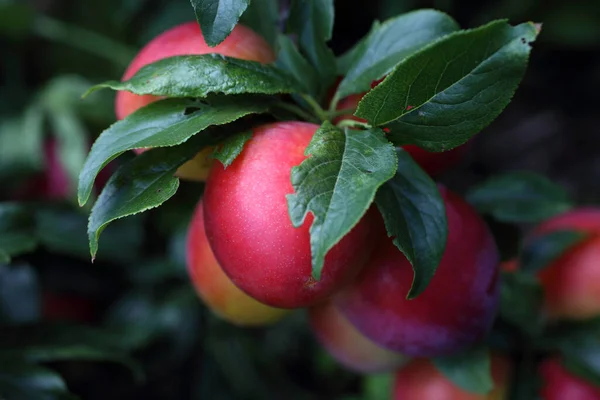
{"type": "Point", "coordinates": [457, 308]}
{"type": "Point", "coordinates": [217, 291]}
{"type": "Point", "coordinates": [560, 384]}
{"type": "Point", "coordinates": [187, 39]}
{"type": "Point", "coordinates": [250, 231]}
{"type": "Point", "coordinates": [421, 380]}
{"type": "Point", "coordinates": [347, 345]}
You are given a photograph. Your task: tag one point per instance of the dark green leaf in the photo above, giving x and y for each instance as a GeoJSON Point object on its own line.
{"type": "Point", "coordinates": [19, 294]}
{"type": "Point", "coordinates": [228, 150]}
{"type": "Point", "coordinates": [545, 249]}
{"type": "Point", "coordinates": [20, 380]}
{"type": "Point", "coordinates": [45, 343]}
{"type": "Point", "coordinates": [521, 301]}
{"type": "Point", "coordinates": [337, 183]}
{"type": "Point", "coordinates": [263, 17]}
{"type": "Point", "coordinates": [72, 144]}
{"type": "Point", "coordinates": [290, 59]}
{"type": "Point", "coordinates": [200, 75]}
{"type": "Point", "coordinates": [519, 197]}
{"type": "Point", "coordinates": [217, 18]}
{"type": "Point", "coordinates": [142, 183]}
{"type": "Point", "coordinates": [350, 57]}
{"type": "Point", "coordinates": [4, 257]}
{"type": "Point", "coordinates": [161, 124]}
{"type": "Point", "coordinates": [16, 229]}
{"type": "Point", "coordinates": [16, 17]}
{"type": "Point", "coordinates": [414, 214]}
{"type": "Point", "coordinates": [390, 43]}
{"type": "Point", "coordinates": [469, 370]}
{"type": "Point", "coordinates": [312, 22]}
{"type": "Point", "coordinates": [444, 94]}
{"type": "Point", "coordinates": [21, 143]}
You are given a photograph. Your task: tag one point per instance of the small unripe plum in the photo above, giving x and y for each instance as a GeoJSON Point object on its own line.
{"type": "Point", "coordinates": [433, 163]}
{"type": "Point", "coordinates": [456, 309]}
{"type": "Point", "coordinates": [560, 384]}
{"type": "Point", "coordinates": [572, 282]}
{"type": "Point", "coordinates": [214, 287]}
{"type": "Point", "coordinates": [421, 380]}
{"type": "Point", "coordinates": [347, 345]}
{"type": "Point", "coordinates": [187, 39]}
{"type": "Point", "coordinates": [250, 231]}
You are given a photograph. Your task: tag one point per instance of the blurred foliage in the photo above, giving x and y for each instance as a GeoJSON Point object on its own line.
{"type": "Point", "coordinates": [65, 322]}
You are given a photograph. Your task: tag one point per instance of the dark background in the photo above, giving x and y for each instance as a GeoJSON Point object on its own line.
{"type": "Point", "coordinates": [138, 287]}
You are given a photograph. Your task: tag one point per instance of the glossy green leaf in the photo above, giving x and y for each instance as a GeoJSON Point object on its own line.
{"type": "Point", "coordinates": [290, 59]}
{"type": "Point", "coordinates": [16, 229]}
{"type": "Point", "coordinates": [337, 183]}
{"type": "Point", "coordinates": [201, 75]}
{"type": "Point", "coordinates": [390, 43]}
{"type": "Point", "coordinates": [351, 56]}
{"type": "Point", "coordinates": [470, 370]}
{"type": "Point", "coordinates": [414, 214]}
{"type": "Point", "coordinates": [444, 94]}
{"type": "Point", "coordinates": [543, 250]}
{"type": "Point", "coordinates": [142, 183]}
{"type": "Point", "coordinates": [262, 16]}
{"type": "Point", "coordinates": [312, 22]}
{"type": "Point", "coordinates": [217, 18]}
{"type": "Point", "coordinates": [227, 151]}
{"type": "Point", "coordinates": [20, 380]}
{"type": "Point", "coordinates": [160, 124]}
{"type": "Point", "coordinates": [521, 301]}
{"type": "Point", "coordinates": [519, 197]}
{"type": "Point", "coordinates": [61, 342]}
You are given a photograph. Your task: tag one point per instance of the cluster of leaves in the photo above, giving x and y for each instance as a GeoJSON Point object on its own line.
{"type": "Point", "coordinates": [441, 86]}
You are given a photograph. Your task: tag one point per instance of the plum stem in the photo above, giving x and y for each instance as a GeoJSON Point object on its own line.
{"type": "Point", "coordinates": [318, 110]}
{"type": "Point", "coordinates": [350, 123]}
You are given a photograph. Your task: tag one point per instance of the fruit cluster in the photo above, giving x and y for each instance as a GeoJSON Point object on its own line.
{"type": "Point", "coordinates": [250, 265]}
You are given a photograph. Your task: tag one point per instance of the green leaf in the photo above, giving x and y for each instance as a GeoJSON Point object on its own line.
{"type": "Point", "coordinates": [227, 151]}
{"type": "Point", "coordinates": [16, 18]}
{"type": "Point", "coordinates": [444, 94]}
{"type": "Point", "coordinates": [21, 143]}
{"type": "Point", "coordinates": [415, 215]}
{"type": "Point", "coordinates": [4, 257]}
{"type": "Point", "coordinates": [163, 123]}
{"type": "Point", "coordinates": [469, 370]}
{"type": "Point", "coordinates": [521, 301]}
{"type": "Point", "coordinates": [262, 16]}
{"type": "Point", "coordinates": [519, 197]}
{"type": "Point", "coordinates": [544, 249]}
{"type": "Point", "coordinates": [19, 294]}
{"type": "Point", "coordinates": [312, 22]}
{"type": "Point", "coordinates": [20, 380]}
{"type": "Point", "coordinates": [16, 229]}
{"type": "Point", "coordinates": [290, 59]}
{"type": "Point", "coordinates": [217, 18]}
{"type": "Point", "coordinates": [350, 57]}
{"type": "Point", "coordinates": [61, 342]}
{"type": "Point", "coordinates": [200, 75]}
{"type": "Point", "coordinates": [337, 183]}
{"type": "Point", "coordinates": [390, 43]}
{"type": "Point", "coordinates": [142, 183]}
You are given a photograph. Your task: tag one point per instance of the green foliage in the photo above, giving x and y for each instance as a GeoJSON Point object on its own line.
{"type": "Point", "coordinates": [447, 92]}
{"type": "Point", "coordinates": [262, 16]}
{"type": "Point", "coordinates": [20, 380]}
{"type": "Point", "coordinates": [16, 230]}
{"type": "Point", "coordinates": [227, 151]}
{"type": "Point", "coordinates": [217, 18]}
{"type": "Point", "coordinates": [163, 123]}
{"type": "Point", "coordinates": [521, 301]}
{"type": "Point", "coordinates": [469, 370]}
{"type": "Point", "coordinates": [290, 59]}
{"type": "Point", "coordinates": [415, 216]}
{"type": "Point", "coordinates": [178, 77]}
{"type": "Point", "coordinates": [389, 43]}
{"type": "Point", "coordinates": [325, 184]}
{"type": "Point", "coordinates": [519, 197]}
